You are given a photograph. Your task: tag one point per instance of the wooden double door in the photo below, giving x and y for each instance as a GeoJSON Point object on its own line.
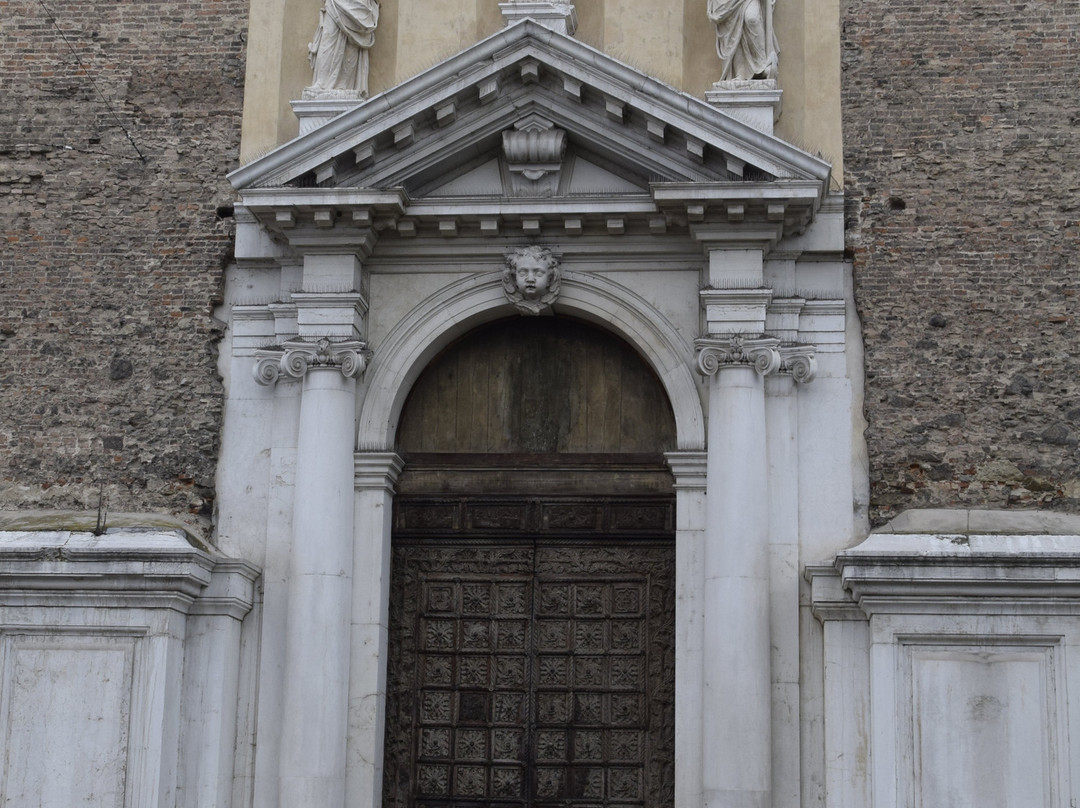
{"type": "Point", "coordinates": [532, 611]}
{"type": "Point", "coordinates": [531, 672]}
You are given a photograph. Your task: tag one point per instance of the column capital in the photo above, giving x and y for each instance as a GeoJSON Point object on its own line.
{"type": "Point", "coordinates": [295, 358]}
{"type": "Point", "coordinates": [800, 361]}
{"type": "Point", "coordinates": [761, 352]}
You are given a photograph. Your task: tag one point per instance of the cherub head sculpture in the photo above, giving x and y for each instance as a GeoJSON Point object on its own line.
{"type": "Point", "coordinates": [531, 278]}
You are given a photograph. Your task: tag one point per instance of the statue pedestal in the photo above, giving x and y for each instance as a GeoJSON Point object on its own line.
{"type": "Point", "coordinates": [314, 112]}
{"type": "Point", "coordinates": [756, 102]}
{"type": "Point", "coordinates": [558, 16]}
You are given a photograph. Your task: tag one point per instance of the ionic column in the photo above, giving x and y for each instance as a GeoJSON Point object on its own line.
{"type": "Point", "coordinates": [318, 624]}
{"type": "Point", "coordinates": [736, 740]}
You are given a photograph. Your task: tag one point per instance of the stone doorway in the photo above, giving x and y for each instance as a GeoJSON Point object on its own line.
{"type": "Point", "coordinates": [531, 658]}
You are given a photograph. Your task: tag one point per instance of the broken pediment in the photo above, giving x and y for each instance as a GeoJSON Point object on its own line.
{"type": "Point", "coordinates": [530, 113]}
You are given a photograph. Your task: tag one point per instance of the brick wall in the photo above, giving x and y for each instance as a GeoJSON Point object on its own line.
{"type": "Point", "coordinates": [119, 122]}
{"type": "Point", "coordinates": [962, 156]}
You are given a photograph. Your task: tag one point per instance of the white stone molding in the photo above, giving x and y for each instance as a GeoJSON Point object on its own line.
{"type": "Point", "coordinates": [296, 357]}
{"type": "Point", "coordinates": [470, 302]}
{"type": "Point", "coordinates": [375, 474]}
{"type": "Point", "coordinates": [531, 279]}
{"type": "Point", "coordinates": [378, 471]}
{"type": "Point", "coordinates": [558, 16]}
{"type": "Point", "coordinates": [800, 361]}
{"type": "Point", "coordinates": [734, 310]}
{"type": "Point", "coordinates": [714, 353]}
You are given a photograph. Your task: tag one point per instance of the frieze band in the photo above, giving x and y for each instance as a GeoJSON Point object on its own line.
{"type": "Point", "coordinates": [295, 357]}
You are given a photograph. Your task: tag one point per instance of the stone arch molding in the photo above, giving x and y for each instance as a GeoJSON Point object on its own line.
{"type": "Point", "coordinates": [467, 303]}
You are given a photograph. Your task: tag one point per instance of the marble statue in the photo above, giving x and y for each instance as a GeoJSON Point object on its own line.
{"type": "Point", "coordinates": [531, 278]}
{"type": "Point", "coordinates": [745, 40]}
{"type": "Point", "coordinates": [339, 50]}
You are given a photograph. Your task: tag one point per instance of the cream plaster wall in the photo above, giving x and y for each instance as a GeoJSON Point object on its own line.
{"type": "Point", "coordinates": [670, 40]}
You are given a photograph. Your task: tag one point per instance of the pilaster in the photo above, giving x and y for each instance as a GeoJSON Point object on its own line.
{"type": "Point", "coordinates": [375, 474]}
{"type": "Point", "coordinates": [690, 470]}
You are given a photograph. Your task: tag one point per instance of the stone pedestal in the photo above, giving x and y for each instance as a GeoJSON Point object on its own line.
{"type": "Point", "coordinates": [560, 17]}
{"type": "Point", "coordinates": [756, 102]}
{"type": "Point", "coordinates": [314, 112]}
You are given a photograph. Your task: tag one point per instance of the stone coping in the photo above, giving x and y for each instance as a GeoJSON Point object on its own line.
{"type": "Point", "coordinates": [983, 521]}
{"type": "Point", "coordinates": [122, 528]}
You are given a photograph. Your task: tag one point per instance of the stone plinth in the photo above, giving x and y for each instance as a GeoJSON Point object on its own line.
{"type": "Point", "coordinates": [561, 17]}
{"type": "Point", "coordinates": [314, 112]}
{"type": "Point", "coordinates": [756, 102]}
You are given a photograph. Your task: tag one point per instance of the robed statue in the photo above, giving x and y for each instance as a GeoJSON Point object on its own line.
{"type": "Point", "coordinates": [339, 50]}
{"type": "Point", "coordinates": [745, 40]}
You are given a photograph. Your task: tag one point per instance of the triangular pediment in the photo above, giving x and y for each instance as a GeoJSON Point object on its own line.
{"type": "Point", "coordinates": [529, 113]}
{"type": "Point", "coordinates": [455, 114]}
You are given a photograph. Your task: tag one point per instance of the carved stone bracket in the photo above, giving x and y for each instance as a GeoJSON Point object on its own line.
{"type": "Point", "coordinates": [534, 151]}
{"type": "Point", "coordinates": [800, 361]}
{"type": "Point", "coordinates": [295, 357]}
{"type": "Point", "coordinates": [762, 352]}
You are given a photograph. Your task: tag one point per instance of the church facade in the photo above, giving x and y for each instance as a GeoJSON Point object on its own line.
{"type": "Point", "coordinates": [579, 429]}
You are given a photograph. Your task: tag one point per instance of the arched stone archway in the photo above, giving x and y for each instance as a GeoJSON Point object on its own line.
{"type": "Point", "coordinates": [470, 302]}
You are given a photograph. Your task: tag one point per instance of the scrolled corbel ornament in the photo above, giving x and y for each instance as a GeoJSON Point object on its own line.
{"type": "Point", "coordinates": [531, 279]}
{"type": "Point", "coordinates": [800, 361]}
{"type": "Point", "coordinates": [296, 357]}
{"type": "Point", "coordinates": [763, 353]}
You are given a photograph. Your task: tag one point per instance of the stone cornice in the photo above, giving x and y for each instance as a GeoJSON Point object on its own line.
{"type": "Point", "coordinates": [689, 469]}
{"type": "Point", "coordinates": [376, 470]}
{"type": "Point", "coordinates": [295, 358]}
{"type": "Point", "coordinates": [958, 573]}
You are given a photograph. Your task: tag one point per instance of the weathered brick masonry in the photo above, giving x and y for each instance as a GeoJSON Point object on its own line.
{"type": "Point", "coordinates": [962, 157]}
{"type": "Point", "coordinates": [112, 252]}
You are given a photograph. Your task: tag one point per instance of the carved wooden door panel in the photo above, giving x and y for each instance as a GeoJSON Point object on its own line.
{"type": "Point", "coordinates": [531, 674]}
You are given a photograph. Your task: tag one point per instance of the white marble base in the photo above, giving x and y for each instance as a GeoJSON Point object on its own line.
{"type": "Point", "coordinates": [948, 663]}
{"type": "Point", "coordinates": [119, 669]}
